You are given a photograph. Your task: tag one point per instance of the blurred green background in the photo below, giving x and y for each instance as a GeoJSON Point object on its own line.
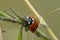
{"type": "Point", "coordinates": [43, 7]}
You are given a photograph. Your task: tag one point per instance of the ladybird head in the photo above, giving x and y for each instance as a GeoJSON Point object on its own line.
{"type": "Point", "coordinates": [28, 20]}
{"type": "Point", "coordinates": [30, 24]}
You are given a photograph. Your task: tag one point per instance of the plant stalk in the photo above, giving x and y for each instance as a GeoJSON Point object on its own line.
{"type": "Point", "coordinates": [38, 17]}
{"type": "Point", "coordinates": [4, 15]}
{"type": "Point", "coordinates": [42, 35]}
{"type": "Point", "coordinates": [20, 34]}
{"type": "Point", "coordinates": [9, 20]}
{"type": "Point", "coordinates": [51, 34]}
{"type": "Point", "coordinates": [18, 16]}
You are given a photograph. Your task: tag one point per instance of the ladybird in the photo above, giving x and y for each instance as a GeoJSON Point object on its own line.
{"type": "Point", "coordinates": [32, 23]}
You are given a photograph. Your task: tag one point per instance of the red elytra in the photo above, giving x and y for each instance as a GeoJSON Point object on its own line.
{"type": "Point", "coordinates": [33, 26]}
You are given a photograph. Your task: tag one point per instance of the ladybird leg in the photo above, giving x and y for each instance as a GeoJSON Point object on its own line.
{"type": "Point", "coordinates": [26, 28]}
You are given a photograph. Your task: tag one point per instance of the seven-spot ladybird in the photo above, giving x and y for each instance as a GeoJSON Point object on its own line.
{"type": "Point", "coordinates": [32, 23]}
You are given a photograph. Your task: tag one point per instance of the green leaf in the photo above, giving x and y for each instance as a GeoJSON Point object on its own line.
{"type": "Point", "coordinates": [42, 35]}
{"type": "Point", "coordinates": [20, 34]}
{"type": "Point", "coordinates": [4, 14]}
{"type": "Point", "coordinates": [15, 13]}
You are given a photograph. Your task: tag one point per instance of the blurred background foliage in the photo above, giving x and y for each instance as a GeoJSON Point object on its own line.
{"type": "Point", "coordinates": [43, 7]}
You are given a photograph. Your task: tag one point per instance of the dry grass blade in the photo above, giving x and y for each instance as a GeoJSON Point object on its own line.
{"type": "Point", "coordinates": [38, 17]}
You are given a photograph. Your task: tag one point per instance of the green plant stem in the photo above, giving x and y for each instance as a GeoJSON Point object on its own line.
{"type": "Point", "coordinates": [20, 34]}
{"type": "Point", "coordinates": [18, 16]}
{"type": "Point", "coordinates": [4, 14]}
{"type": "Point", "coordinates": [9, 20]}
{"type": "Point", "coordinates": [9, 13]}
{"type": "Point", "coordinates": [41, 35]}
